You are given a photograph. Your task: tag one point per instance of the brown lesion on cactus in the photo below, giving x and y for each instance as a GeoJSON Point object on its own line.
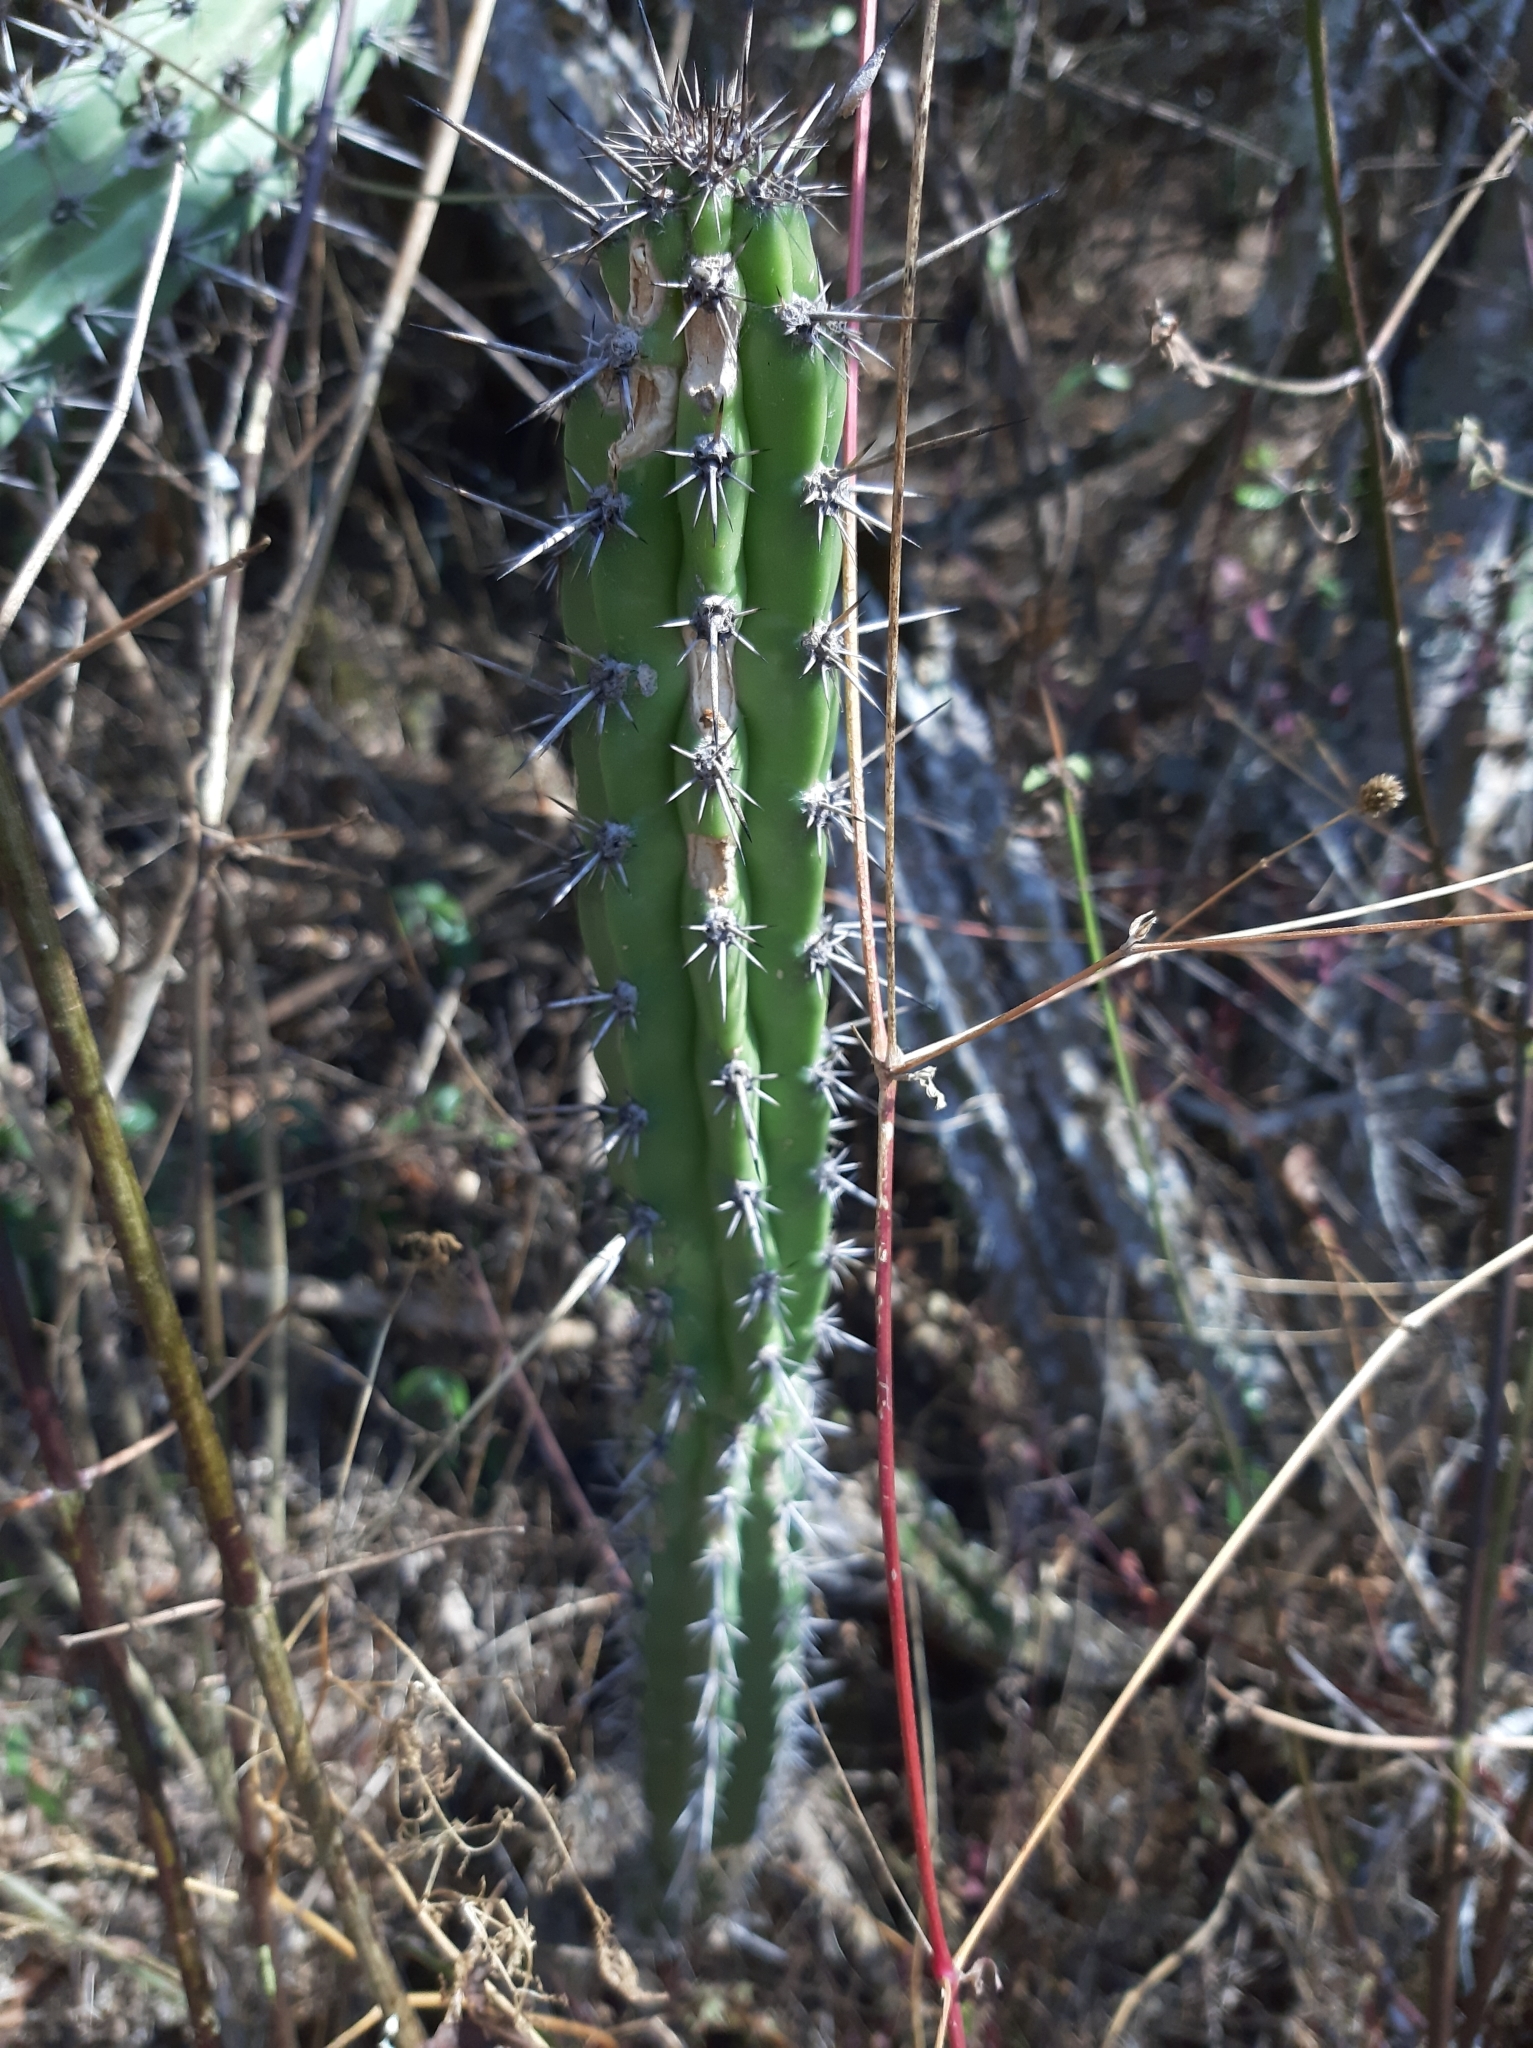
{"type": "Point", "coordinates": [710, 679]}
{"type": "Point", "coordinates": [646, 288]}
{"type": "Point", "coordinates": [711, 866]}
{"type": "Point", "coordinates": [652, 424]}
{"type": "Point", "coordinates": [711, 325]}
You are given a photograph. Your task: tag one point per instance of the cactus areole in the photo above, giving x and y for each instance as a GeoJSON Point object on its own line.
{"type": "Point", "coordinates": [700, 588]}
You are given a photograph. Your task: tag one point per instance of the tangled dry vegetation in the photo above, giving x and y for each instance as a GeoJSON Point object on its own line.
{"type": "Point", "coordinates": [1159, 638]}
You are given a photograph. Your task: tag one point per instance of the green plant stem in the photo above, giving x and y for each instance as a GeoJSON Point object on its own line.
{"type": "Point", "coordinates": [1444, 1948]}
{"type": "Point", "coordinates": [210, 1299]}
{"type": "Point", "coordinates": [1128, 1085]}
{"type": "Point", "coordinates": [1495, 1503]}
{"type": "Point", "coordinates": [1494, 1500]}
{"type": "Point", "coordinates": [108, 1660]}
{"type": "Point", "coordinates": [1495, 1924]}
{"type": "Point", "coordinates": [1370, 408]}
{"type": "Point", "coordinates": [267, 696]}
{"type": "Point", "coordinates": [24, 890]}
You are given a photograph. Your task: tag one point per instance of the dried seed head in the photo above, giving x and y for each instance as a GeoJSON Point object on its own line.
{"type": "Point", "coordinates": [433, 1249]}
{"type": "Point", "coordinates": [1380, 795]}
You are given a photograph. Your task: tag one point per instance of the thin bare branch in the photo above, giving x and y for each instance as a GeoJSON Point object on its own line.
{"type": "Point", "coordinates": [30, 685]}
{"type": "Point", "coordinates": [1256, 1516]}
{"type": "Point", "coordinates": [380, 346]}
{"type": "Point", "coordinates": [62, 517]}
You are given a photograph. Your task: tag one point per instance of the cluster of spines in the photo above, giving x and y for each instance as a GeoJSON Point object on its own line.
{"type": "Point", "coordinates": [84, 152]}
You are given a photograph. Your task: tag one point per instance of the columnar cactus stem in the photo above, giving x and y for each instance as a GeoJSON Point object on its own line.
{"type": "Point", "coordinates": [706, 529]}
{"type": "Point", "coordinates": [84, 154]}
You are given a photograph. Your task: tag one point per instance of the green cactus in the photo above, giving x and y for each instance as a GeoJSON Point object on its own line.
{"type": "Point", "coordinates": [700, 590]}
{"type": "Point", "coordinates": [83, 163]}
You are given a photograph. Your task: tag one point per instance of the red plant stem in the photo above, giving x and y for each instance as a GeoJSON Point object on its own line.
{"type": "Point", "coordinates": [855, 230]}
{"type": "Point", "coordinates": [943, 1972]}
{"type": "Point", "coordinates": [856, 226]}
{"type": "Point", "coordinates": [550, 1450]}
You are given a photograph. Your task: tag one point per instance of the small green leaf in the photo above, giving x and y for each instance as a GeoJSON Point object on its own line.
{"type": "Point", "coordinates": [1262, 456]}
{"type": "Point", "coordinates": [1078, 375]}
{"type": "Point", "coordinates": [137, 1117]}
{"type": "Point", "coordinates": [1256, 1478]}
{"type": "Point", "coordinates": [444, 1105]}
{"type": "Point", "coordinates": [427, 910]}
{"type": "Point", "coordinates": [814, 35]}
{"type": "Point", "coordinates": [432, 1396]}
{"type": "Point", "coordinates": [1079, 766]}
{"type": "Point", "coordinates": [1000, 252]}
{"type": "Point", "coordinates": [1037, 776]}
{"type": "Point", "coordinates": [1113, 376]}
{"type": "Point", "coordinates": [19, 1763]}
{"type": "Point", "coordinates": [1262, 496]}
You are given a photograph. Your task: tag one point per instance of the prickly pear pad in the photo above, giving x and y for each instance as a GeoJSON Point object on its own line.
{"type": "Point", "coordinates": [84, 157]}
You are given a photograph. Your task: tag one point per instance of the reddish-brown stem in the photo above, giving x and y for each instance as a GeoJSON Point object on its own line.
{"type": "Point", "coordinates": [857, 220]}
{"type": "Point", "coordinates": [24, 891]}
{"type": "Point", "coordinates": [255, 1843]}
{"type": "Point", "coordinates": [108, 1660]}
{"type": "Point", "coordinates": [856, 226]}
{"type": "Point", "coordinates": [910, 1742]}
{"type": "Point", "coordinates": [550, 1450]}
{"type": "Point", "coordinates": [894, 1578]}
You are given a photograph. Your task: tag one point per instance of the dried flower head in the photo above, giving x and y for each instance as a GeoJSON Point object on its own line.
{"type": "Point", "coordinates": [1380, 795]}
{"type": "Point", "coordinates": [432, 1249]}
